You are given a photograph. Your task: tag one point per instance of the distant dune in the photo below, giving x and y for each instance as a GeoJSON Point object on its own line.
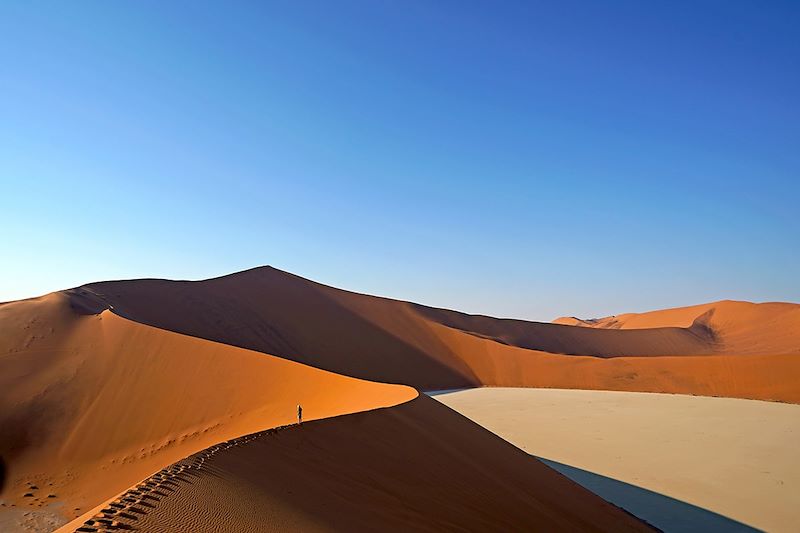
{"type": "Point", "coordinates": [105, 384]}
{"type": "Point", "coordinates": [736, 327]}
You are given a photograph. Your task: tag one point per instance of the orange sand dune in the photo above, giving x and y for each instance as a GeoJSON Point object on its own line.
{"type": "Point", "coordinates": [557, 338]}
{"type": "Point", "coordinates": [267, 310]}
{"type": "Point", "coordinates": [274, 312]}
{"type": "Point", "coordinates": [381, 339]}
{"type": "Point", "coordinates": [737, 327]}
{"type": "Point", "coordinates": [758, 377]}
{"type": "Point", "coordinates": [444, 474]}
{"type": "Point", "coordinates": [91, 403]}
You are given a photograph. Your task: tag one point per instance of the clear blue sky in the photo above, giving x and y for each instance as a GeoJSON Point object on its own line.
{"type": "Point", "coordinates": [527, 159]}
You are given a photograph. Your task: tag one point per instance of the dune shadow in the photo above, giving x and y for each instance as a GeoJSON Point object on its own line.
{"type": "Point", "coordinates": [274, 315]}
{"type": "Point", "coordinates": [439, 392]}
{"type": "Point", "coordinates": [2, 474]}
{"type": "Point", "coordinates": [666, 513]}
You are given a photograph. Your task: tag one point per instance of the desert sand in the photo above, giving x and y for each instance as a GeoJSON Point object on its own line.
{"type": "Point", "coordinates": [740, 327]}
{"type": "Point", "coordinates": [103, 386]}
{"type": "Point", "coordinates": [417, 466]}
{"type": "Point", "coordinates": [92, 403]}
{"type": "Point", "coordinates": [380, 339]}
{"type": "Point", "coordinates": [737, 458]}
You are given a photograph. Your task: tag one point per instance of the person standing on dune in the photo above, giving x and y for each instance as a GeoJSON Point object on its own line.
{"type": "Point", "coordinates": [299, 414]}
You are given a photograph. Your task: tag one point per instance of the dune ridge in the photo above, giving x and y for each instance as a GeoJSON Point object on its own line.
{"type": "Point", "coordinates": [332, 475]}
{"type": "Point", "coordinates": [739, 327]}
{"type": "Point", "coordinates": [88, 393]}
{"type": "Point", "coordinates": [755, 377]}
{"type": "Point", "coordinates": [105, 384]}
{"type": "Point", "coordinates": [740, 350]}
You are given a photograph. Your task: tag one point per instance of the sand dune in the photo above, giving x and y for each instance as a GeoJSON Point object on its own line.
{"type": "Point", "coordinates": [102, 385]}
{"type": "Point", "coordinates": [760, 377]}
{"type": "Point", "coordinates": [91, 403]}
{"type": "Point", "coordinates": [557, 338]}
{"type": "Point", "coordinates": [274, 312]}
{"type": "Point", "coordinates": [263, 309]}
{"type": "Point", "coordinates": [386, 340]}
{"type": "Point", "coordinates": [736, 327]}
{"type": "Point", "coordinates": [445, 474]}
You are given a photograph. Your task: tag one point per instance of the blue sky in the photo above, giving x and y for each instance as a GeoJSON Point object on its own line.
{"type": "Point", "coordinates": [523, 159]}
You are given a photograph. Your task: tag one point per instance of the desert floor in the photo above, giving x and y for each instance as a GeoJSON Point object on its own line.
{"type": "Point", "coordinates": [682, 463]}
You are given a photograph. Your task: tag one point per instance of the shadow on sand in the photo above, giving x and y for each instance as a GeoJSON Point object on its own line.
{"type": "Point", "coordinates": [444, 391]}
{"type": "Point", "coordinates": [668, 514]}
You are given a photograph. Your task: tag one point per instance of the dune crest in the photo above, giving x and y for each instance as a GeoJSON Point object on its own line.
{"type": "Point", "coordinates": [102, 385]}
{"type": "Point", "coordinates": [91, 403]}
{"type": "Point", "coordinates": [730, 349]}
{"type": "Point", "coordinates": [738, 327]}
{"type": "Point", "coordinates": [445, 474]}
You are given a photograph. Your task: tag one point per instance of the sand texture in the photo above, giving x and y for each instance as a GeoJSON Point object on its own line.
{"type": "Point", "coordinates": [92, 403]}
{"type": "Point", "coordinates": [104, 385]}
{"type": "Point", "coordinates": [418, 466]}
{"type": "Point", "coordinates": [380, 339]}
{"type": "Point", "coordinates": [737, 327]}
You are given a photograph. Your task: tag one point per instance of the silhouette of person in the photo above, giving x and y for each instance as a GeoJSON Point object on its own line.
{"type": "Point", "coordinates": [299, 414]}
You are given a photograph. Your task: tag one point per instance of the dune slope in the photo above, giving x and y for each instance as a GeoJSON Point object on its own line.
{"type": "Point", "coordinates": [102, 385]}
{"type": "Point", "coordinates": [265, 309]}
{"type": "Point", "coordinates": [274, 312]}
{"type": "Point", "coordinates": [91, 403]}
{"type": "Point", "coordinates": [737, 327]}
{"type": "Point", "coordinates": [757, 377]}
{"type": "Point", "coordinates": [386, 340]}
{"type": "Point", "coordinates": [416, 466]}
{"type": "Point", "coordinates": [564, 339]}
{"type": "Point", "coordinates": [737, 458]}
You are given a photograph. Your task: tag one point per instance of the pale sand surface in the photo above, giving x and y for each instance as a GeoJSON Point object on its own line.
{"type": "Point", "coordinates": [737, 458]}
